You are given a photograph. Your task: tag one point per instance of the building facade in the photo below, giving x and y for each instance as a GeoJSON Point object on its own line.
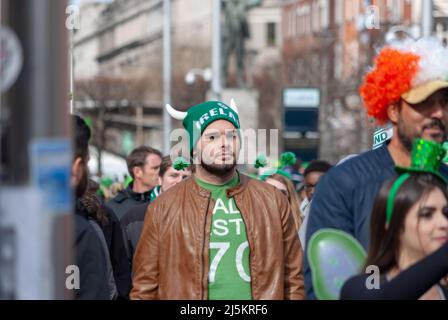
{"type": "Point", "coordinates": [329, 45]}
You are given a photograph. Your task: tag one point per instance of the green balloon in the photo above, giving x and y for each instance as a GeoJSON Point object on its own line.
{"type": "Point", "coordinates": [334, 257]}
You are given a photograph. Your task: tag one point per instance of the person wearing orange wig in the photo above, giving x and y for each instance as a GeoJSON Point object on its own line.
{"type": "Point", "coordinates": [408, 88]}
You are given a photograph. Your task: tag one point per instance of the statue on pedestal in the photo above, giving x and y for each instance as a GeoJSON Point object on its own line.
{"type": "Point", "coordinates": [235, 31]}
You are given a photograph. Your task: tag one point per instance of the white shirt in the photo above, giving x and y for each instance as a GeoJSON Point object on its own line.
{"type": "Point", "coordinates": [304, 211]}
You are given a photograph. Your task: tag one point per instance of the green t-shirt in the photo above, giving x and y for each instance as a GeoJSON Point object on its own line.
{"type": "Point", "coordinates": [229, 275]}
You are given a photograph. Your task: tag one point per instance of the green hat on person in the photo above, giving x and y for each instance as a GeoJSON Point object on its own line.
{"type": "Point", "coordinates": [426, 157]}
{"type": "Point", "coordinates": [445, 146]}
{"type": "Point", "coordinates": [199, 117]}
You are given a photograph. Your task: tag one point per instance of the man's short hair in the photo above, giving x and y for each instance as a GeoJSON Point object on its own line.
{"type": "Point", "coordinates": [137, 158]}
{"type": "Point", "coordinates": [166, 164]}
{"type": "Point", "coordinates": [317, 166]}
{"type": "Point", "coordinates": [81, 137]}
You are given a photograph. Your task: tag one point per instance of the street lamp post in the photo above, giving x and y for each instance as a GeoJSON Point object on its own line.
{"type": "Point", "coordinates": [166, 73]}
{"type": "Point", "coordinates": [216, 50]}
{"type": "Point", "coordinates": [427, 20]}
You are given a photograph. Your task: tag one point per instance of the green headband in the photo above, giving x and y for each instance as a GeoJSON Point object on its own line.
{"type": "Point", "coordinates": [286, 159]}
{"type": "Point", "coordinates": [271, 172]}
{"type": "Point", "coordinates": [392, 194]}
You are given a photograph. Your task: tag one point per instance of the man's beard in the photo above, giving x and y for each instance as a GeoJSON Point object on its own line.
{"type": "Point", "coordinates": [219, 169]}
{"type": "Point", "coordinates": [407, 139]}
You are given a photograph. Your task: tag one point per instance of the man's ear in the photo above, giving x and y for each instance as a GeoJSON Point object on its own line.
{"type": "Point", "coordinates": [393, 112]}
{"type": "Point", "coordinates": [137, 171]}
{"type": "Point", "coordinates": [77, 168]}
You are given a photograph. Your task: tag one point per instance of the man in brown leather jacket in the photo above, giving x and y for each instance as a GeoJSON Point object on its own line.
{"type": "Point", "coordinates": [218, 234]}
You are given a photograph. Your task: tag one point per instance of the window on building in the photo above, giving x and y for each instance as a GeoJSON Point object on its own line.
{"type": "Point", "coordinates": [271, 34]}
{"type": "Point", "coordinates": [339, 11]}
{"type": "Point", "coordinates": [315, 16]}
{"type": "Point", "coordinates": [394, 10]}
{"type": "Point", "coordinates": [338, 61]}
{"type": "Point", "coordinates": [324, 13]}
{"type": "Point", "coordinates": [292, 24]}
{"type": "Point", "coordinates": [299, 22]}
{"type": "Point", "coordinates": [307, 19]}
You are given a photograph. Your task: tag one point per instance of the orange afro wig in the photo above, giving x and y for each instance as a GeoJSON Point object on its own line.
{"type": "Point", "coordinates": [391, 77]}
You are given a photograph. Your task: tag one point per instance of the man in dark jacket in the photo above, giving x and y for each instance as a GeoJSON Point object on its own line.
{"type": "Point", "coordinates": [143, 166]}
{"type": "Point", "coordinates": [132, 221]}
{"type": "Point", "coordinates": [345, 195]}
{"type": "Point", "coordinates": [90, 258]}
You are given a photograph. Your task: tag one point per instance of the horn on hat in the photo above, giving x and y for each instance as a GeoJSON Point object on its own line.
{"type": "Point", "coordinates": [178, 115]}
{"type": "Point", "coordinates": [233, 105]}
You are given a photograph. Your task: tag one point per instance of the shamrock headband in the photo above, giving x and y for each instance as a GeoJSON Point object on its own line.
{"type": "Point", "coordinates": [180, 163]}
{"type": "Point", "coordinates": [286, 159]}
{"type": "Point", "coordinates": [426, 158]}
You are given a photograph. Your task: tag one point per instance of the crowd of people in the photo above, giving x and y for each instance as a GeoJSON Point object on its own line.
{"type": "Point", "coordinates": [200, 228]}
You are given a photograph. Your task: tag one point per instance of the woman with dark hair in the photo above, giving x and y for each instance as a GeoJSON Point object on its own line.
{"type": "Point", "coordinates": [112, 233]}
{"type": "Point", "coordinates": [89, 254]}
{"type": "Point", "coordinates": [409, 234]}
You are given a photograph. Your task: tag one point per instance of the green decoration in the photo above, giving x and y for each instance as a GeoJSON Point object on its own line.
{"type": "Point", "coordinates": [180, 163]}
{"type": "Point", "coordinates": [288, 159]}
{"type": "Point", "coordinates": [261, 161]}
{"type": "Point", "coordinates": [334, 257]}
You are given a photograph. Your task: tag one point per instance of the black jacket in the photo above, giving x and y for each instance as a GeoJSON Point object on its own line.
{"type": "Point", "coordinates": [126, 199]}
{"type": "Point", "coordinates": [132, 223]}
{"type": "Point", "coordinates": [115, 241]}
{"type": "Point", "coordinates": [90, 259]}
{"type": "Point", "coordinates": [410, 284]}
{"type": "Point", "coordinates": [118, 255]}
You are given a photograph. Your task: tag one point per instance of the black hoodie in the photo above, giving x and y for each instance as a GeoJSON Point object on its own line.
{"type": "Point", "coordinates": [127, 199]}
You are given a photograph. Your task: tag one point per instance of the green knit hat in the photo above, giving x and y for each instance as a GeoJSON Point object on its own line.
{"type": "Point", "coordinates": [199, 117]}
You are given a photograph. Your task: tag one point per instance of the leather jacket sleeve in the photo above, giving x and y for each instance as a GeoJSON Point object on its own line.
{"type": "Point", "coordinates": [294, 283]}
